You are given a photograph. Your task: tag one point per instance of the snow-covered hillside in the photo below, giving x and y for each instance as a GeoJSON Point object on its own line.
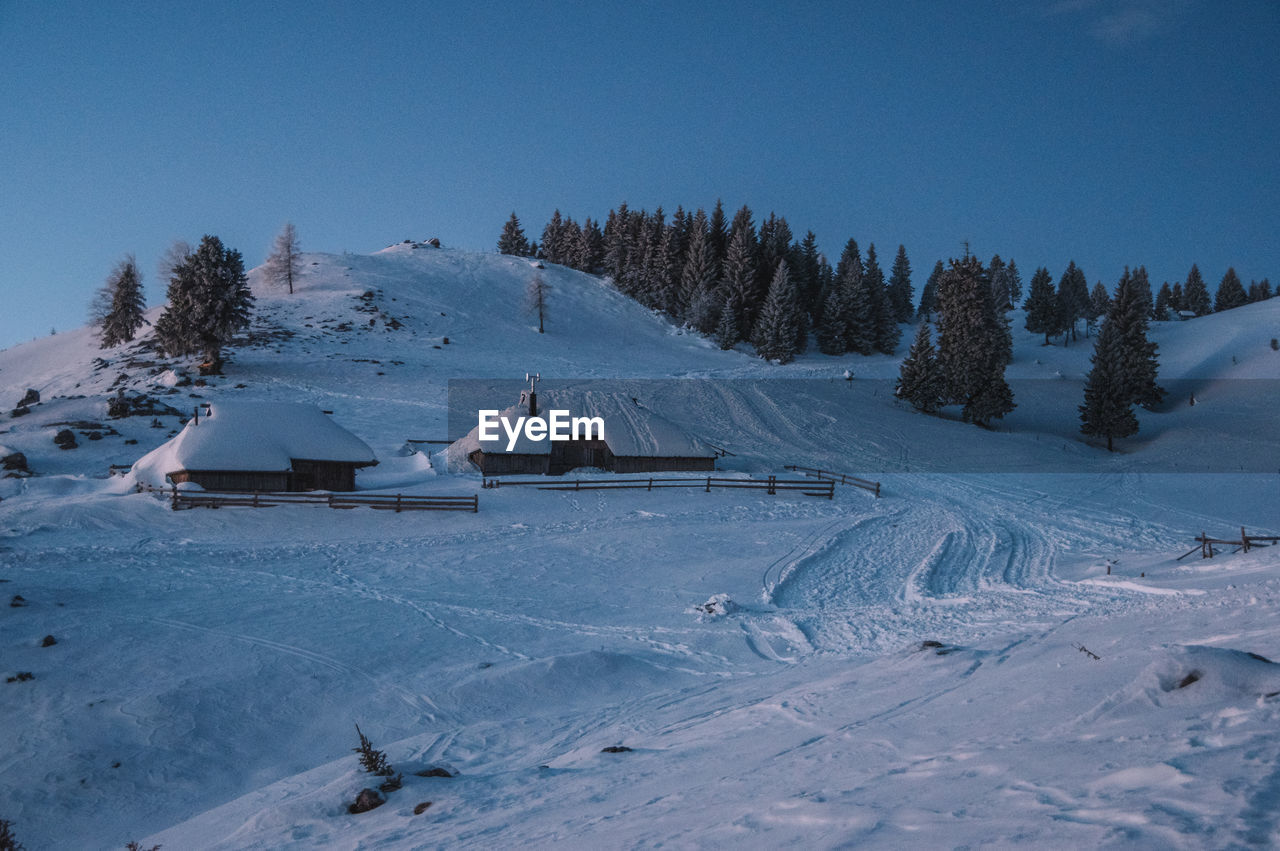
{"type": "Point", "coordinates": [786, 671]}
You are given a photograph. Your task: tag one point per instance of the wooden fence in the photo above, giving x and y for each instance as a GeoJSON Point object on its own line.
{"type": "Point", "coordinates": [771, 485]}
{"type": "Point", "coordinates": [180, 499]}
{"type": "Point", "coordinates": [1247, 542]}
{"type": "Point", "coordinates": [840, 478]}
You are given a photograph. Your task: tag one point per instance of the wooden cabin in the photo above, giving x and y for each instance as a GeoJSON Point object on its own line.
{"type": "Point", "coordinates": [259, 446]}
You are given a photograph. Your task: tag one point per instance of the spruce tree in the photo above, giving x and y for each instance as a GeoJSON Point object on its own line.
{"type": "Point", "coordinates": [285, 261]}
{"type": "Point", "coordinates": [1073, 300]}
{"type": "Point", "coordinates": [1177, 299]}
{"type": "Point", "coordinates": [1107, 410]}
{"type": "Point", "coordinates": [775, 336]}
{"type": "Point", "coordinates": [699, 274]}
{"type": "Point", "coordinates": [901, 295]}
{"type": "Point", "coordinates": [1164, 302]}
{"type": "Point", "coordinates": [1230, 292]}
{"type": "Point", "coordinates": [1042, 305]}
{"type": "Point", "coordinates": [970, 358]}
{"type": "Point", "coordinates": [885, 324]}
{"type": "Point", "coordinates": [1195, 295]}
{"type": "Point", "coordinates": [1014, 279]}
{"type": "Point", "coordinates": [999, 283]}
{"type": "Point", "coordinates": [920, 379]}
{"type": "Point", "coordinates": [737, 285]}
{"type": "Point", "coordinates": [1259, 290]}
{"type": "Point", "coordinates": [830, 330]}
{"type": "Point", "coordinates": [1099, 303]}
{"type": "Point", "coordinates": [209, 301]}
{"type": "Point", "coordinates": [929, 295]}
{"type": "Point", "coordinates": [118, 308]}
{"type": "Point", "coordinates": [513, 240]}
{"type": "Point", "coordinates": [1137, 353]}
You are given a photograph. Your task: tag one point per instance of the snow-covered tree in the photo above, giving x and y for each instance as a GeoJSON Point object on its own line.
{"type": "Point", "coordinates": [1259, 290]}
{"type": "Point", "coordinates": [737, 286]}
{"type": "Point", "coordinates": [209, 301]}
{"type": "Point", "coordinates": [285, 260]}
{"type": "Point", "coordinates": [885, 324]}
{"type": "Point", "coordinates": [775, 334]}
{"type": "Point", "coordinates": [117, 309]}
{"type": "Point", "coordinates": [920, 379]}
{"type": "Point", "coordinates": [1014, 280]}
{"type": "Point", "coordinates": [1164, 302]}
{"type": "Point", "coordinates": [513, 240]}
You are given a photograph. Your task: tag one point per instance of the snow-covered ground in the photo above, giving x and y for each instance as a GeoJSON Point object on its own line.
{"type": "Point", "coordinates": [903, 672]}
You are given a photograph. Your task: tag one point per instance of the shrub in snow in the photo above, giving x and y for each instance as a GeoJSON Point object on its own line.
{"type": "Point", "coordinates": [48, 641]}
{"type": "Point", "coordinates": [421, 808]}
{"type": "Point", "coordinates": [65, 439]}
{"type": "Point", "coordinates": [134, 846]}
{"type": "Point", "coordinates": [616, 749]}
{"type": "Point", "coordinates": [392, 784]}
{"type": "Point", "coordinates": [32, 397]}
{"type": "Point", "coordinates": [372, 760]}
{"type": "Point", "coordinates": [435, 771]}
{"type": "Point", "coordinates": [1275, 345]}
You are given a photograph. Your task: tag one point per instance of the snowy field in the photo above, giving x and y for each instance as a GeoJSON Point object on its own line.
{"type": "Point", "coordinates": [909, 671]}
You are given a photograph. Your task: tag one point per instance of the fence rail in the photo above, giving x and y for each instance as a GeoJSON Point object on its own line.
{"type": "Point", "coordinates": [772, 485]}
{"type": "Point", "coordinates": [1247, 542]}
{"type": "Point", "coordinates": [840, 478]}
{"type": "Point", "coordinates": [180, 499]}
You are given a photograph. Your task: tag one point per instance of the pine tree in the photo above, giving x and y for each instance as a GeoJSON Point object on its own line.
{"type": "Point", "coordinates": [1230, 292]}
{"type": "Point", "coordinates": [1259, 290]}
{"type": "Point", "coordinates": [999, 283]}
{"type": "Point", "coordinates": [285, 261]}
{"type": "Point", "coordinates": [209, 301]}
{"type": "Point", "coordinates": [117, 309]}
{"type": "Point", "coordinates": [737, 285]}
{"type": "Point", "coordinates": [775, 337]}
{"type": "Point", "coordinates": [1138, 354]}
{"type": "Point", "coordinates": [1177, 298]}
{"type": "Point", "coordinates": [699, 275]}
{"type": "Point", "coordinates": [513, 240]}
{"type": "Point", "coordinates": [1164, 302]}
{"type": "Point", "coordinates": [1195, 295]}
{"type": "Point", "coordinates": [970, 358]}
{"type": "Point", "coordinates": [551, 233]}
{"type": "Point", "coordinates": [1073, 300]}
{"type": "Point", "coordinates": [887, 333]}
{"type": "Point", "coordinates": [901, 295]}
{"type": "Point", "coordinates": [729, 325]}
{"type": "Point", "coordinates": [859, 320]}
{"type": "Point", "coordinates": [1099, 303]}
{"type": "Point", "coordinates": [920, 379]}
{"type": "Point", "coordinates": [1042, 306]}
{"type": "Point", "coordinates": [1014, 279]}
{"type": "Point", "coordinates": [1107, 410]}
{"type": "Point", "coordinates": [929, 296]}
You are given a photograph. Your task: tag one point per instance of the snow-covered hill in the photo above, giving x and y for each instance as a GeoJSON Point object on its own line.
{"type": "Point", "coordinates": [896, 672]}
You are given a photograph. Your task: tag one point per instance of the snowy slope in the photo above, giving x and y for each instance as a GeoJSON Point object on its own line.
{"type": "Point", "coordinates": [210, 665]}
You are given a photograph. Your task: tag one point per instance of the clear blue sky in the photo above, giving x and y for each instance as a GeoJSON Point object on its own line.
{"type": "Point", "coordinates": [1111, 132]}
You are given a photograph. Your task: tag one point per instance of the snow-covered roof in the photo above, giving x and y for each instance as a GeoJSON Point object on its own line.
{"type": "Point", "coordinates": [630, 430]}
{"type": "Point", "coordinates": [259, 436]}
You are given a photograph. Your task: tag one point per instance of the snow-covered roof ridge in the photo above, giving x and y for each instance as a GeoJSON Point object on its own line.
{"type": "Point", "coordinates": [263, 436]}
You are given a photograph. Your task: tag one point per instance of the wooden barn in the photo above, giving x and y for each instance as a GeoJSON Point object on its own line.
{"type": "Point", "coordinates": [262, 446]}
{"type": "Point", "coordinates": [634, 440]}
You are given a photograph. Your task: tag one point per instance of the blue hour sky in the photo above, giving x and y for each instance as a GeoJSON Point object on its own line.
{"type": "Point", "coordinates": [1110, 132]}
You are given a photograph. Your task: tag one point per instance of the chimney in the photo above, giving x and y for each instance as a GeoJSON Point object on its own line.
{"type": "Point", "coordinates": [533, 404]}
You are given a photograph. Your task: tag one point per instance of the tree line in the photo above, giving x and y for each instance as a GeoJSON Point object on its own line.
{"type": "Point", "coordinates": [734, 280]}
